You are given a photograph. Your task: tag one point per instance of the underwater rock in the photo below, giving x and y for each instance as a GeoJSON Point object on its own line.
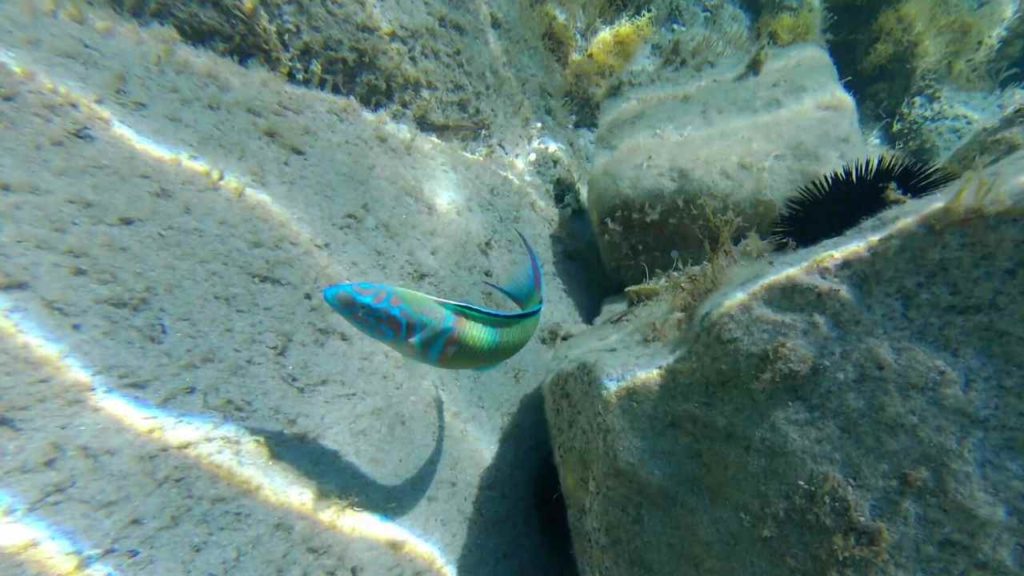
{"type": "Point", "coordinates": [892, 51]}
{"type": "Point", "coordinates": [440, 68]}
{"type": "Point", "coordinates": [679, 169]}
{"type": "Point", "coordinates": [936, 123]}
{"type": "Point", "coordinates": [854, 410]}
{"type": "Point", "coordinates": [994, 141]}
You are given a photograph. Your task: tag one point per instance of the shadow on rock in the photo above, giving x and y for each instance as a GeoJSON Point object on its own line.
{"type": "Point", "coordinates": [519, 525]}
{"type": "Point", "coordinates": [336, 477]}
{"type": "Point", "coordinates": [578, 265]}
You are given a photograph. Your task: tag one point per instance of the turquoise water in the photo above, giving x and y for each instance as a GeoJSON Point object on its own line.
{"type": "Point", "coordinates": [180, 181]}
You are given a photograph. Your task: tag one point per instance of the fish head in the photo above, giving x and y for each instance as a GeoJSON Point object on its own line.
{"type": "Point", "coordinates": [375, 309]}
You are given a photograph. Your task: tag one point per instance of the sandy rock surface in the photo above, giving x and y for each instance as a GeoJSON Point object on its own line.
{"type": "Point", "coordinates": [176, 396]}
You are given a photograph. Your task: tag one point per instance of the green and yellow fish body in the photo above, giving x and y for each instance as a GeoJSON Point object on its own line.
{"type": "Point", "coordinates": [440, 332]}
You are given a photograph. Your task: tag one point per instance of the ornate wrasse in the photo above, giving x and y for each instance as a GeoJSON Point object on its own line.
{"type": "Point", "coordinates": [440, 332]}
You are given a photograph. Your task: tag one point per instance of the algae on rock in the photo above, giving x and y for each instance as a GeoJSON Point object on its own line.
{"type": "Point", "coordinates": [438, 67]}
{"type": "Point", "coordinates": [788, 23]}
{"type": "Point", "coordinates": [889, 49]}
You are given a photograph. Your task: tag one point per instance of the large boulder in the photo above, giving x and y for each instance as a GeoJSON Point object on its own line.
{"type": "Point", "coordinates": [679, 166]}
{"type": "Point", "coordinates": [854, 410]}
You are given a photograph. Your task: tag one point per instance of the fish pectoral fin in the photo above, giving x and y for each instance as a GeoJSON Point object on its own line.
{"type": "Point", "coordinates": [431, 337]}
{"type": "Point", "coordinates": [424, 335]}
{"type": "Point", "coordinates": [433, 344]}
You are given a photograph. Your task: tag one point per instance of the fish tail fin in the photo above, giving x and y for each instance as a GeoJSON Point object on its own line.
{"type": "Point", "coordinates": [527, 289]}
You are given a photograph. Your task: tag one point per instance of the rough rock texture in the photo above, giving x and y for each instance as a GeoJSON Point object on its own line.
{"type": "Point", "coordinates": [857, 409]}
{"type": "Point", "coordinates": [167, 221]}
{"type": "Point", "coordinates": [475, 73]}
{"type": "Point", "coordinates": [993, 142]}
{"type": "Point", "coordinates": [676, 165]}
{"type": "Point", "coordinates": [894, 50]}
{"type": "Point", "coordinates": [958, 127]}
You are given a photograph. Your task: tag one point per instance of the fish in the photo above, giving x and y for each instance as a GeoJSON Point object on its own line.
{"type": "Point", "coordinates": [445, 333]}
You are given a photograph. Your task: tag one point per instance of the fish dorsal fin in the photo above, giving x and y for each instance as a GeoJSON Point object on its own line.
{"type": "Point", "coordinates": [527, 288]}
{"type": "Point", "coordinates": [485, 315]}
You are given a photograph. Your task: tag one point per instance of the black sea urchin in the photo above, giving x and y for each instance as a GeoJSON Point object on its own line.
{"type": "Point", "coordinates": [840, 200]}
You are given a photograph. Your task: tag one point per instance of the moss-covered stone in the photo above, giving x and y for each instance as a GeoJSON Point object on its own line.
{"type": "Point", "coordinates": [786, 26]}
{"type": "Point", "coordinates": [590, 74]}
{"type": "Point", "coordinates": [423, 61]}
{"type": "Point", "coordinates": [888, 49]}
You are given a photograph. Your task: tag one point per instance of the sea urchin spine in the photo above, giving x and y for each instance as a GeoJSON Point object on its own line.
{"type": "Point", "coordinates": [840, 200]}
